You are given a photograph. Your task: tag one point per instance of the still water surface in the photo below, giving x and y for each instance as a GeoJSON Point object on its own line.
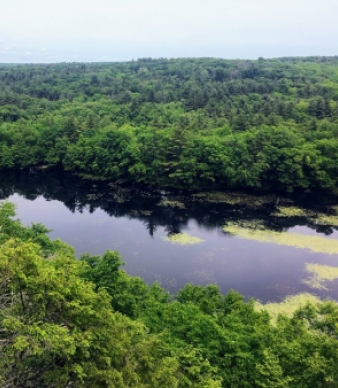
{"type": "Point", "coordinates": [95, 217]}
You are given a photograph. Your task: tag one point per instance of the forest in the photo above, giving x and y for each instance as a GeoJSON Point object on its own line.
{"type": "Point", "coordinates": [87, 323]}
{"type": "Point", "coordinates": [266, 124]}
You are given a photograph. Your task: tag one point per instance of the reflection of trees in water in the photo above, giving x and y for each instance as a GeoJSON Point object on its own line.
{"type": "Point", "coordinates": [150, 225]}
{"type": "Point", "coordinates": [134, 202]}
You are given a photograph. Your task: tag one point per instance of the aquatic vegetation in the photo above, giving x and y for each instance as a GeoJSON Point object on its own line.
{"type": "Point", "coordinates": [296, 240]}
{"type": "Point", "coordinates": [291, 211]}
{"type": "Point", "coordinates": [320, 274]}
{"type": "Point", "coordinates": [183, 239]}
{"type": "Point", "coordinates": [172, 204]}
{"type": "Point", "coordinates": [324, 272]}
{"type": "Point", "coordinates": [327, 219]}
{"type": "Point", "coordinates": [315, 282]}
{"type": "Point", "coordinates": [318, 218]}
{"type": "Point", "coordinates": [233, 198]}
{"type": "Point", "coordinates": [288, 306]}
{"type": "Point", "coordinates": [217, 197]}
{"type": "Point", "coordinates": [252, 224]}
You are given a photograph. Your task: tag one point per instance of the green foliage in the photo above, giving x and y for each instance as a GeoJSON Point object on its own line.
{"type": "Point", "coordinates": [129, 295]}
{"type": "Point", "coordinates": [208, 299]}
{"type": "Point", "coordinates": [183, 123]}
{"type": "Point", "coordinates": [86, 323]}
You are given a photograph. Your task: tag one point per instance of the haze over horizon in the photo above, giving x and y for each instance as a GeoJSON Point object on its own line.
{"type": "Point", "coordinates": [109, 30]}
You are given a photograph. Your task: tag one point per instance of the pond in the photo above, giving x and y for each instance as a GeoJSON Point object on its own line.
{"type": "Point", "coordinates": [175, 238]}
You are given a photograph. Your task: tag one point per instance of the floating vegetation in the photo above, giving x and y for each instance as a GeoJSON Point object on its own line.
{"type": "Point", "coordinates": [315, 282]}
{"type": "Point", "coordinates": [183, 239]}
{"type": "Point", "coordinates": [291, 211]}
{"type": "Point", "coordinates": [172, 204]}
{"type": "Point", "coordinates": [314, 243]}
{"type": "Point", "coordinates": [217, 197]}
{"type": "Point", "coordinates": [288, 306]}
{"type": "Point", "coordinates": [317, 218]}
{"type": "Point", "coordinates": [320, 274]}
{"type": "Point", "coordinates": [326, 219]}
{"type": "Point", "coordinates": [252, 224]}
{"type": "Point", "coordinates": [233, 198]}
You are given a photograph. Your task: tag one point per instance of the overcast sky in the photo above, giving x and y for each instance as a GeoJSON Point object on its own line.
{"type": "Point", "coordinates": [114, 30]}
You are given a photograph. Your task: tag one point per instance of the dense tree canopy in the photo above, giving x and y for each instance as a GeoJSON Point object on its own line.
{"type": "Point", "coordinates": [268, 124]}
{"type": "Point", "coordinates": [185, 123]}
{"type": "Point", "coordinates": [80, 323]}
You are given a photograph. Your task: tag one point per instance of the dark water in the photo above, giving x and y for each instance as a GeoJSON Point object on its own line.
{"type": "Point", "coordinates": [95, 217]}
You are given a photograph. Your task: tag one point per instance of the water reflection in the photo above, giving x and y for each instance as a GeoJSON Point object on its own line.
{"type": "Point", "coordinates": [79, 195]}
{"type": "Point", "coordinates": [136, 221]}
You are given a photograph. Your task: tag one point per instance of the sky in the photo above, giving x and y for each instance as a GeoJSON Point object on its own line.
{"type": "Point", "coordinates": [40, 31]}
